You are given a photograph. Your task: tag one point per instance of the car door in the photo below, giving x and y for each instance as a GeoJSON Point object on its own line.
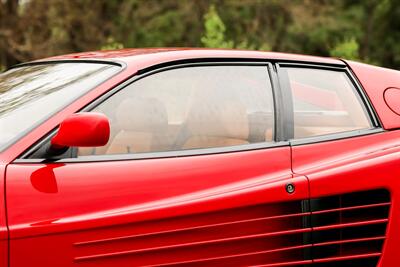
{"type": "Point", "coordinates": [196, 172]}
{"type": "Point", "coordinates": [351, 164]}
{"type": "Point", "coordinates": [3, 221]}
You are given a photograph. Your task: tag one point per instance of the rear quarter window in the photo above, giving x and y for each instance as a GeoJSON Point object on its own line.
{"type": "Point", "coordinates": [325, 102]}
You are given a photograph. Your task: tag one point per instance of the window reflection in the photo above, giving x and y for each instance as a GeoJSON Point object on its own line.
{"type": "Point", "coordinates": [190, 108]}
{"type": "Point", "coordinates": [325, 102]}
{"type": "Point", "coordinates": [30, 94]}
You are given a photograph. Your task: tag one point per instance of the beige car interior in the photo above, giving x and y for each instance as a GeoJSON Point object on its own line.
{"type": "Point", "coordinates": [324, 121]}
{"type": "Point", "coordinates": [206, 115]}
{"type": "Point", "coordinates": [223, 124]}
{"type": "Point", "coordinates": [141, 125]}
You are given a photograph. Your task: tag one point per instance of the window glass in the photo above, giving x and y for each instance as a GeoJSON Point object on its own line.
{"type": "Point", "coordinates": [190, 108]}
{"type": "Point", "coordinates": [325, 102]}
{"type": "Point", "coordinates": [30, 94]}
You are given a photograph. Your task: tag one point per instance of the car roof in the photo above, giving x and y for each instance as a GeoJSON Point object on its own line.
{"type": "Point", "coordinates": [146, 57]}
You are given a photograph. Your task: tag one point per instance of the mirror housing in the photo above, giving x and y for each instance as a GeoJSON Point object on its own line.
{"type": "Point", "coordinates": [86, 129]}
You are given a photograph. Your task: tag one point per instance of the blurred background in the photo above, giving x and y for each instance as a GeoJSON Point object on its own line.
{"type": "Point", "coordinates": [363, 30]}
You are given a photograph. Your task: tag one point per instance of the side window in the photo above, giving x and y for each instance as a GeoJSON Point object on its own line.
{"type": "Point", "coordinates": [325, 102]}
{"type": "Point", "coordinates": [190, 108]}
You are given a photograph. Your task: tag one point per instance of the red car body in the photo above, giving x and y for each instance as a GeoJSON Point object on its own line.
{"type": "Point", "coordinates": [230, 208]}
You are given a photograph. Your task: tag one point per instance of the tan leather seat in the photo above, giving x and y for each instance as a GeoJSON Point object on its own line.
{"type": "Point", "coordinates": [218, 125]}
{"type": "Point", "coordinates": [269, 135]}
{"type": "Point", "coordinates": [143, 123]}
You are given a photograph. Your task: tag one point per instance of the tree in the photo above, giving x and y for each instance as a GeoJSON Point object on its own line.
{"type": "Point", "coordinates": [214, 36]}
{"type": "Point", "coordinates": [111, 44]}
{"type": "Point", "coordinates": [367, 30]}
{"type": "Point", "coordinates": [347, 49]}
{"type": "Point", "coordinates": [9, 52]}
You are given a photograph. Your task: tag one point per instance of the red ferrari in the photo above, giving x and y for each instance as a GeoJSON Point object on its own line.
{"type": "Point", "coordinates": [190, 157]}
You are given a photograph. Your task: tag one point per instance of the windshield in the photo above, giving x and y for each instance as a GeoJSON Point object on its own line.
{"type": "Point", "coordinates": [31, 94]}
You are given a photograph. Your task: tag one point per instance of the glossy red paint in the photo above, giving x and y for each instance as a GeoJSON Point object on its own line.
{"type": "Point", "coordinates": [368, 162]}
{"type": "Point", "coordinates": [129, 197]}
{"type": "Point", "coordinates": [108, 213]}
{"type": "Point", "coordinates": [148, 57]}
{"type": "Point", "coordinates": [375, 81]}
{"type": "Point", "coordinates": [3, 221]}
{"type": "Point", "coordinates": [392, 99]}
{"type": "Point", "coordinates": [86, 129]}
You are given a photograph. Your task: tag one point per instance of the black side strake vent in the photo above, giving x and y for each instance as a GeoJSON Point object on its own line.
{"type": "Point", "coordinates": [341, 230]}
{"type": "Point", "coordinates": [349, 229]}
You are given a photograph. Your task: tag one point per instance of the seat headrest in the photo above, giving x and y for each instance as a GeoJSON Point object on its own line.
{"type": "Point", "coordinates": [142, 115]}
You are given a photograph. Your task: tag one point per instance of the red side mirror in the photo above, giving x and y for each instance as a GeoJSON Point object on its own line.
{"type": "Point", "coordinates": [86, 129]}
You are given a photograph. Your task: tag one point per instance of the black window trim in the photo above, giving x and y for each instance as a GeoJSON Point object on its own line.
{"type": "Point", "coordinates": [283, 112]}
{"type": "Point", "coordinates": [334, 136]}
{"type": "Point", "coordinates": [117, 63]}
{"type": "Point", "coordinates": [361, 94]}
{"type": "Point", "coordinates": [277, 100]}
{"type": "Point", "coordinates": [162, 154]}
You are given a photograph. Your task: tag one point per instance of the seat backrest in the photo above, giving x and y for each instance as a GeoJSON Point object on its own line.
{"type": "Point", "coordinates": [142, 121]}
{"type": "Point", "coordinates": [216, 125]}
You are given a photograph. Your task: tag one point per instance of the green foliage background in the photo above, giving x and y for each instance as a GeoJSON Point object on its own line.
{"type": "Point", "coordinates": [364, 30]}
